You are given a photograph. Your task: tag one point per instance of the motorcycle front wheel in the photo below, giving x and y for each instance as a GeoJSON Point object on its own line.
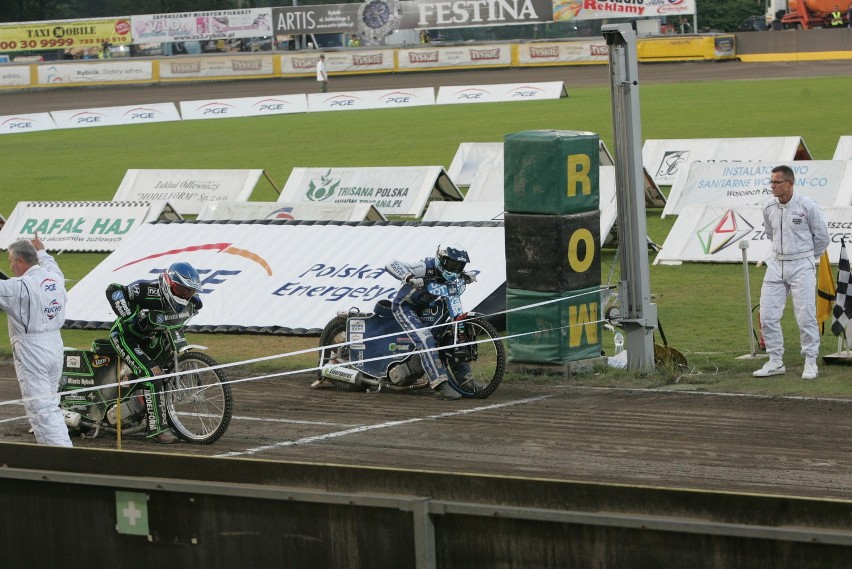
{"type": "Point", "coordinates": [486, 361]}
{"type": "Point", "coordinates": [199, 402]}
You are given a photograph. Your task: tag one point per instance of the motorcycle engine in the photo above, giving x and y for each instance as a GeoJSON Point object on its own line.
{"type": "Point", "coordinates": [130, 409]}
{"type": "Point", "coordinates": [405, 373]}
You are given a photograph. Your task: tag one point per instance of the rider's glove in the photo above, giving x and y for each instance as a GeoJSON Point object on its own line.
{"type": "Point", "coordinates": [416, 282]}
{"type": "Point", "coordinates": [469, 277]}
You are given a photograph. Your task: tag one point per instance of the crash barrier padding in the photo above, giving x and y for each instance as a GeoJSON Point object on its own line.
{"type": "Point", "coordinates": [551, 172]}
{"type": "Point", "coordinates": [553, 253]}
{"type": "Point", "coordinates": [566, 331]}
{"type": "Point", "coordinates": [552, 230]}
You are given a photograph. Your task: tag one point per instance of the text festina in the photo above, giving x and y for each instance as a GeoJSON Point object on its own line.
{"type": "Point", "coordinates": [476, 11]}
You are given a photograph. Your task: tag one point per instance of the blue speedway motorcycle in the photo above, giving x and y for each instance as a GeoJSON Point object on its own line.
{"type": "Point", "coordinates": [371, 352]}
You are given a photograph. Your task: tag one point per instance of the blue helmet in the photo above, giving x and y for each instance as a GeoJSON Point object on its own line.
{"type": "Point", "coordinates": [452, 259]}
{"type": "Point", "coordinates": [178, 283]}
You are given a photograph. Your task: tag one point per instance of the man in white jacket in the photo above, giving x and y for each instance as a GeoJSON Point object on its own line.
{"type": "Point", "coordinates": [34, 301]}
{"type": "Point", "coordinates": [797, 229]}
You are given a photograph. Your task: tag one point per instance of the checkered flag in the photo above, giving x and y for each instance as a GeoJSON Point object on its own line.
{"type": "Point", "coordinates": [842, 312]}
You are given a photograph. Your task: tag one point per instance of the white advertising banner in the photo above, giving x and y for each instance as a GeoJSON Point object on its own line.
{"type": "Point", "coordinates": [214, 25]}
{"type": "Point", "coordinates": [252, 279]}
{"type": "Point", "coordinates": [488, 183]}
{"type": "Point", "coordinates": [84, 118]}
{"type": "Point", "coordinates": [153, 112]}
{"type": "Point", "coordinates": [736, 184]}
{"type": "Point", "coordinates": [393, 191]}
{"type": "Point", "coordinates": [469, 156]}
{"type": "Point", "coordinates": [204, 67]}
{"type": "Point", "coordinates": [844, 149]}
{"type": "Point", "coordinates": [80, 226]}
{"type": "Point", "coordinates": [128, 70]}
{"type": "Point", "coordinates": [464, 211]}
{"type": "Point", "coordinates": [107, 116]}
{"type": "Point", "coordinates": [243, 107]}
{"type": "Point", "coordinates": [709, 233]}
{"type": "Point", "coordinates": [187, 190]}
{"type": "Point", "coordinates": [669, 159]}
{"type": "Point", "coordinates": [250, 211]}
{"type": "Point", "coordinates": [591, 51]}
{"type": "Point", "coordinates": [497, 93]}
{"type": "Point", "coordinates": [11, 124]}
{"type": "Point", "coordinates": [455, 57]}
{"type": "Point", "coordinates": [305, 63]}
{"type": "Point", "coordinates": [15, 76]}
{"type": "Point", "coordinates": [653, 196]}
{"type": "Point", "coordinates": [383, 99]}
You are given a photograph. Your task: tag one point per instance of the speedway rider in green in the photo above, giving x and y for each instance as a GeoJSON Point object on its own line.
{"type": "Point", "coordinates": [174, 291]}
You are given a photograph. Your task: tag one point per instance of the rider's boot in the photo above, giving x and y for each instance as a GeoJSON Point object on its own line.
{"type": "Point", "coordinates": [158, 428]}
{"type": "Point", "coordinates": [445, 391]}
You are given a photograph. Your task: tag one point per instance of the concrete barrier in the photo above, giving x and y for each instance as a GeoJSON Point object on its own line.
{"type": "Point", "coordinates": [795, 45]}
{"type": "Point", "coordinates": [62, 506]}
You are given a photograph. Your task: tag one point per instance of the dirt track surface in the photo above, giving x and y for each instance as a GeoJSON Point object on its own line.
{"type": "Point", "coordinates": [534, 429]}
{"type": "Point", "coordinates": [795, 446]}
{"type": "Point", "coordinates": [64, 98]}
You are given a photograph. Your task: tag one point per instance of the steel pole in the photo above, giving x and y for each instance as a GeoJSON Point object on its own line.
{"type": "Point", "coordinates": [638, 314]}
{"type": "Point", "coordinates": [744, 248]}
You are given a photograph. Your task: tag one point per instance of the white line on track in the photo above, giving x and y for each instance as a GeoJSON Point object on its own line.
{"type": "Point", "coordinates": [292, 421]}
{"type": "Point", "coordinates": [385, 425]}
{"type": "Point", "coordinates": [659, 391]}
{"type": "Point", "coordinates": [13, 419]}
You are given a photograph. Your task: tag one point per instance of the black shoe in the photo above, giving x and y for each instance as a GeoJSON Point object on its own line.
{"type": "Point", "coordinates": [446, 391]}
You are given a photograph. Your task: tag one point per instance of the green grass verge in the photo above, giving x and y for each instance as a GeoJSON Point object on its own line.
{"type": "Point", "coordinates": [702, 306]}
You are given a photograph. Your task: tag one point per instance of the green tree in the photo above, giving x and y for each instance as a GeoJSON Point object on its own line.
{"type": "Point", "coordinates": [726, 15]}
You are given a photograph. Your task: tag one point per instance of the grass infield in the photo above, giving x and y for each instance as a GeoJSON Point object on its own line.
{"type": "Point", "coordinates": [702, 307]}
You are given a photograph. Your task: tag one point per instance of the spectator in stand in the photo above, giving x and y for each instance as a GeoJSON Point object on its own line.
{"type": "Point", "coordinates": [849, 16]}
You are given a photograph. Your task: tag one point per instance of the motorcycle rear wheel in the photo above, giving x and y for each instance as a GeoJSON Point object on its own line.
{"type": "Point", "coordinates": [488, 368]}
{"type": "Point", "coordinates": [199, 402]}
{"type": "Point", "coordinates": [335, 333]}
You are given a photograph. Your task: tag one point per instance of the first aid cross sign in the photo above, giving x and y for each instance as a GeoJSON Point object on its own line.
{"type": "Point", "coordinates": [131, 511]}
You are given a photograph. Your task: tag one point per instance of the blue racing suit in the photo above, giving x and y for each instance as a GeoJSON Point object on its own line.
{"type": "Point", "coordinates": [407, 304]}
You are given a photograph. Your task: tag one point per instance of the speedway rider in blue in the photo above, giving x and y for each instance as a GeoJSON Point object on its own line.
{"type": "Point", "coordinates": [448, 264]}
{"type": "Point", "coordinates": [175, 291]}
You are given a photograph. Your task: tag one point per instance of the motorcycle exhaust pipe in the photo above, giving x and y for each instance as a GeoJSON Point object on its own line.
{"type": "Point", "coordinates": [72, 418]}
{"type": "Point", "coordinates": [344, 374]}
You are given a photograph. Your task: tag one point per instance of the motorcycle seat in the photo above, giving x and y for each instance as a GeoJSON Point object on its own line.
{"type": "Point", "coordinates": [103, 347]}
